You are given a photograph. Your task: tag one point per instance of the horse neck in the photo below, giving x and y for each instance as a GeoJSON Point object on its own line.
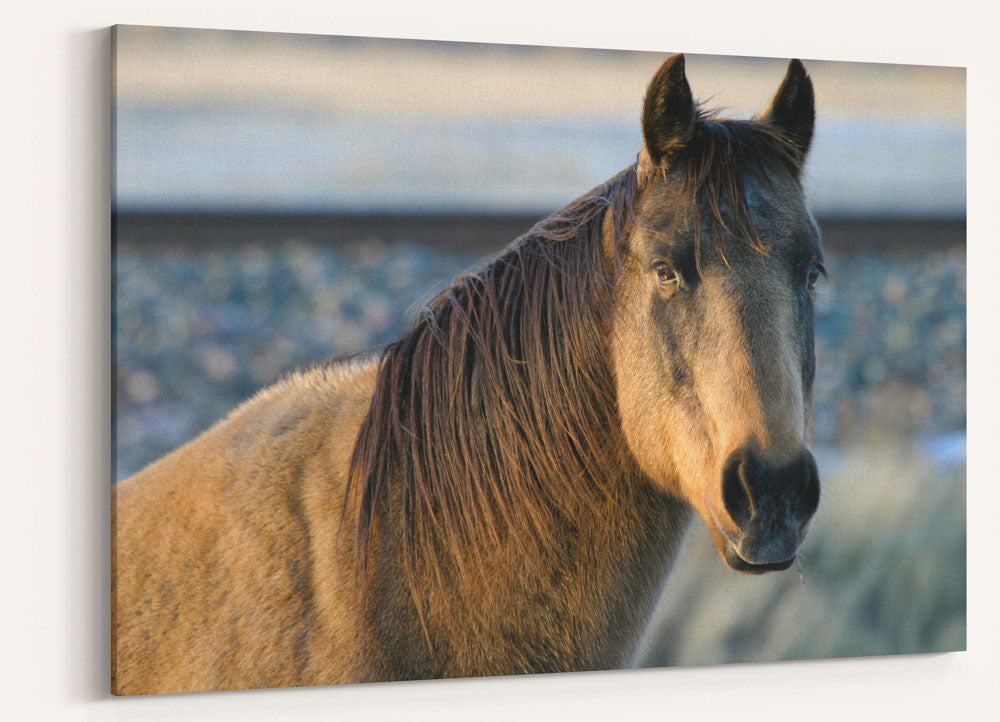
{"type": "Point", "coordinates": [606, 579]}
{"type": "Point", "coordinates": [581, 605]}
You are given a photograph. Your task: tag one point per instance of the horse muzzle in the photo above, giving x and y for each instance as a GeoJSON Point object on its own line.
{"type": "Point", "coordinates": [771, 507]}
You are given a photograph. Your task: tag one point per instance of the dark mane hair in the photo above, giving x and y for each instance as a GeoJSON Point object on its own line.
{"type": "Point", "coordinates": [496, 415]}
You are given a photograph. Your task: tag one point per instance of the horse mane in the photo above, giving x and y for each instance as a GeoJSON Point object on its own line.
{"type": "Point", "coordinates": [496, 414]}
{"type": "Point", "coordinates": [495, 418]}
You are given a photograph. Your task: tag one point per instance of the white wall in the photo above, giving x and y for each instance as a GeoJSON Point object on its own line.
{"type": "Point", "coordinates": [55, 290]}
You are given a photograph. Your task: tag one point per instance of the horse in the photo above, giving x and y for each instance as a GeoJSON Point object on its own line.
{"type": "Point", "coordinates": [504, 490]}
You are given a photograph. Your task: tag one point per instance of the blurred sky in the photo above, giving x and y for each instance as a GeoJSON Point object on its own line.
{"type": "Point", "coordinates": [237, 121]}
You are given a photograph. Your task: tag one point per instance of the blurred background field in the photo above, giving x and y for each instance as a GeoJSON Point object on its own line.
{"type": "Point", "coordinates": [283, 199]}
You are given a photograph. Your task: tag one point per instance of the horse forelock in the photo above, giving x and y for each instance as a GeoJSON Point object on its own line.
{"type": "Point", "coordinates": [714, 166]}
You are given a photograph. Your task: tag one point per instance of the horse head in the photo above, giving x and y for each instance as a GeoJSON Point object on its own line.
{"type": "Point", "coordinates": [712, 342]}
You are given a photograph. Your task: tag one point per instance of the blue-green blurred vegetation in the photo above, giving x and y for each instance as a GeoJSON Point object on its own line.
{"type": "Point", "coordinates": [200, 328]}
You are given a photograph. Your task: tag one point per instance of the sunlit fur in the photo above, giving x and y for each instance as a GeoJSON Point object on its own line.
{"type": "Point", "coordinates": [504, 489]}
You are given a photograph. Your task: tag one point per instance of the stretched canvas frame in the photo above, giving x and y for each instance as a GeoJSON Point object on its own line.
{"type": "Point", "coordinates": [157, 196]}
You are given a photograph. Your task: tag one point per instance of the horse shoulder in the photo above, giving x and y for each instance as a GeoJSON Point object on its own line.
{"type": "Point", "coordinates": [232, 568]}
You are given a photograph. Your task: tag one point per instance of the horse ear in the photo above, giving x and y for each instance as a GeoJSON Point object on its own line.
{"type": "Point", "coordinates": [669, 114]}
{"type": "Point", "coordinates": [793, 108]}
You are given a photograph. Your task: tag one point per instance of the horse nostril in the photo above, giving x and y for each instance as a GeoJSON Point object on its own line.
{"type": "Point", "coordinates": [753, 488]}
{"type": "Point", "coordinates": [808, 500]}
{"type": "Point", "coordinates": [736, 486]}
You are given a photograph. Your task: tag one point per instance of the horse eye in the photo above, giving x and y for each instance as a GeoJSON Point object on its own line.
{"type": "Point", "coordinates": [665, 274]}
{"type": "Point", "coordinates": [814, 273]}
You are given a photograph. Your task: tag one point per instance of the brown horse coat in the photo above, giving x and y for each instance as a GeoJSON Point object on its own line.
{"type": "Point", "coordinates": [239, 580]}
{"type": "Point", "coordinates": [226, 570]}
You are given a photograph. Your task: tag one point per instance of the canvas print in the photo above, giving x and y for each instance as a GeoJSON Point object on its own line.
{"type": "Point", "coordinates": [440, 359]}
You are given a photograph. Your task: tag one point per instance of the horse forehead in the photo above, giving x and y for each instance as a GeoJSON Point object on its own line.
{"type": "Point", "coordinates": [781, 204]}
